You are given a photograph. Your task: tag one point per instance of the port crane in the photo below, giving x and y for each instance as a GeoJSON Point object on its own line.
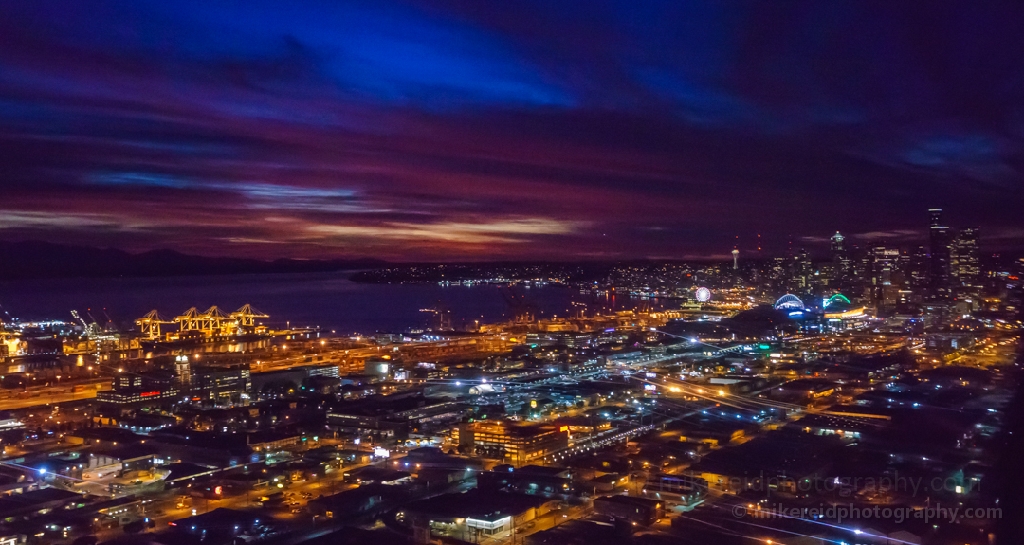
{"type": "Point", "coordinates": [149, 325]}
{"type": "Point", "coordinates": [189, 320]}
{"type": "Point", "coordinates": [212, 321]}
{"type": "Point", "coordinates": [88, 330]}
{"type": "Point", "coordinates": [247, 316]}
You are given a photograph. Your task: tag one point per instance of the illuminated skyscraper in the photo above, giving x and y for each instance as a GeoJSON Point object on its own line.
{"type": "Point", "coordinates": [840, 261]}
{"type": "Point", "coordinates": [838, 244]}
{"type": "Point", "coordinates": [964, 258]}
{"type": "Point", "coordinates": [801, 273]}
{"type": "Point", "coordinates": [940, 271]}
{"type": "Point", "coordinates": [918, 270]}
{"type": "Point", "coordinates": [883, 264]}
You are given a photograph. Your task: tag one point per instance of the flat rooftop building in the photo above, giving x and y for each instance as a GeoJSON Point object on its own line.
{"type": "Point", "coordinates": [516, 444]}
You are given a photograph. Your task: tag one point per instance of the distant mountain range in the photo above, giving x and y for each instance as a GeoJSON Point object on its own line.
{"type": "Point", "coordinates": [30, 259]}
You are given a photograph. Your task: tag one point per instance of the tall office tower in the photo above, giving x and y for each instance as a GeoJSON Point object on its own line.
{"type": "Point", "coordinates": [778, 271]}
{"type": "Point", "coordinates": [840, 261]}
{"type": "Point", "coordinates": [964, 258]}
{"type": "Point", "coordinates": [860, 270]}
{"type": "Point", "coordinates": [940, 283]}
{"type": "Point", "coordinates": [903, 266]}
{"type": "Point", "coordinates": [801, 272]}
{"type": "Point", "coordinates": [917, 274]}
{"type": "Point", "coordinates": [883, 263]}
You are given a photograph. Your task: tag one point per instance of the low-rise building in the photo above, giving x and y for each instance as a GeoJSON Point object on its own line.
{"type": "Point", "coordinates": [517, 444]}
{"type": "Point", "coordinates": [641, 511]}
{"type": "Point", "coordinates": [475, 515]}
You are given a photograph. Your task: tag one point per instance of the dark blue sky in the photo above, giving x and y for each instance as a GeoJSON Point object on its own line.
{"type": "Point", "coordinates": [478, 129]}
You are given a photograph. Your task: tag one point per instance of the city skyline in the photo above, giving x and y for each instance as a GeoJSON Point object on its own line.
{"type": "Point", "coordinates": [945, 238]}
{"type": "Point", "coordinates": [433, 131]}
{"type": "Point", "coordinates": [463, 272]}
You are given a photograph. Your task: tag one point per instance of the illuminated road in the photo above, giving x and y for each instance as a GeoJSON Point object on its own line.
{"type": "Point", "coordinates": [342, 356]}
{"type": "Point", "coordinates": [23, 399]}
{"type": "Point", "coordinates": [599, 441]}
{"type": "Point", "coordinates": [163, 509]}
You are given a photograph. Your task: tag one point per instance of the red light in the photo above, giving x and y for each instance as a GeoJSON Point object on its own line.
{"type": "Point", "coordinates": [218, 490]}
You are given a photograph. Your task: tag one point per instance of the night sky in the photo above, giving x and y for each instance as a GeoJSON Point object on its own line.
{"type": "Point", "coordinates": [480, 129]}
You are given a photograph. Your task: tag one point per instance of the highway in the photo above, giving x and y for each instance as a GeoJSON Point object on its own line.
{"type": "Point", "coordinates": [340, 356]}
{"type": "Point", "coordinates": [600, 440]}
{"type": "Point", "coordinates": [48, 395]}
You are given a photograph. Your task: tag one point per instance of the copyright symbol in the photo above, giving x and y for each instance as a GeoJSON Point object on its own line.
{"type": "Point", "coordinates": [739, 511]}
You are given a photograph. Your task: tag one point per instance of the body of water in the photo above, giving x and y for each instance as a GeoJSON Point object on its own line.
{"type": "Point", "coordinates": [328, 300]}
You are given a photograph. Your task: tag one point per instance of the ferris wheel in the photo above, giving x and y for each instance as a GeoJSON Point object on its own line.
{"type": "Point", "coordinates": [703, 294]}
